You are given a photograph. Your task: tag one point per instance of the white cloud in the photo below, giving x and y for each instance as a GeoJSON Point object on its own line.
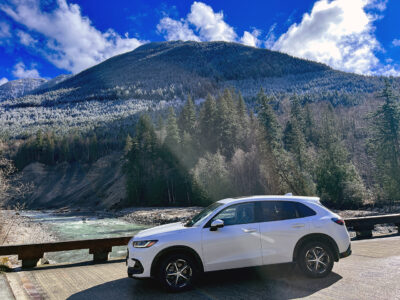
{"type": "Point", "coordinates": [3, 80]}
{"type": "Point", "coordinates": [377, 4]}
{"type": "Point", "coordinates": [72, 42]}
{"type": "Point", "coordinates": [251, 39]}
{"type": "Point", "coordinates": [176, 30]}
{"type": "Point", "coordinates": [208, 26]}
{"type": "Point", "coordinates": [25, 38]}
{"type": "Point", "coordinates": [20, 71]}
{"type": "Point", "coordinates": [396, 42]}
{"type": "Point", "coordinates": [211, 26]}
{"type": "Point", "coordinates": [339, 33]}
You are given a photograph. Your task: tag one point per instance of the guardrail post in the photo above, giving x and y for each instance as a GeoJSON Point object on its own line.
{"type": "Point", "coordinates": [364, 232]}
{"type": "Point", "coordinates": [29, 260]}
{"type": "Point", "coordinates": [100, 255]}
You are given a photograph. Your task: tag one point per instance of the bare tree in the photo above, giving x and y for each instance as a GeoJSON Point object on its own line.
{"type": "Point", "coordinates": [10, 185]}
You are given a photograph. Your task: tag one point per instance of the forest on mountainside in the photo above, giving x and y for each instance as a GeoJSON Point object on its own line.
{"type": "Point", "coordinates": [222, 147]}
{"type": "Point", "coordinates": [223, 150]}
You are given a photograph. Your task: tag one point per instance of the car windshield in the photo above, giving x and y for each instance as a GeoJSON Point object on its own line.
{"type": "Point", "coordinates": [203, 214]}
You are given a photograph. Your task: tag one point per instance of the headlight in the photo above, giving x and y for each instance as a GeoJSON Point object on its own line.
{"type": "Point", "coordinates": [143, 244]}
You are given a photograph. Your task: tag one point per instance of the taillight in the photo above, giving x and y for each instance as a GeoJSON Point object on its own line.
{"type": "Point", "coordinates": [338, 221]}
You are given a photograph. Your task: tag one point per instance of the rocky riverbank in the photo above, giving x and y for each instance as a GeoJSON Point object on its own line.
{"type": "Point", "coordinates": [159, 215]}
{"type": "Point", "coordinates": [16, 229]}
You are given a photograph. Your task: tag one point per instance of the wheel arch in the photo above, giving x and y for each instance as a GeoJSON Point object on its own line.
{"type": "Point", "coordinates": [319, 237]}
{"type": "Point", "coordinates": [175, 249]}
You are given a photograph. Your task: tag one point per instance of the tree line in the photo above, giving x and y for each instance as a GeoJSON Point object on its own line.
{"type": "Point", "coordinates": [50, 149]}
{"type": "Point", "coordinates": [197, 154]}
{"type": "Point", "coordinates": [222, 149]}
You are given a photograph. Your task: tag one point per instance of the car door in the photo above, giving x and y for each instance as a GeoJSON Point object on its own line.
{"type": "Point", "coordinates": [235, 245]}
{"type": "Point", "coordinates": [280, 229]}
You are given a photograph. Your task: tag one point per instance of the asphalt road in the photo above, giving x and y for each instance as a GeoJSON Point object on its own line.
{"type": "Point", "coordinates": [372, 272]}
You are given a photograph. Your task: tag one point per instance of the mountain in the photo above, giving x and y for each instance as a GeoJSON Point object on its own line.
{"type": "Point", "coordinates": [52, 82]}
{"type": "Point", "coordinates": [20, 87]}
{"type": "Point", "coordinates": [116, 90]}
{"type": "Point", "coordinates": [168, 70]}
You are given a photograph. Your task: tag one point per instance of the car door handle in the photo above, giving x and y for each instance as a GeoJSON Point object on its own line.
{"type": "Point", "coordinates": [298, 225]}
{"type": "Point", "coordinates": [250, 230]}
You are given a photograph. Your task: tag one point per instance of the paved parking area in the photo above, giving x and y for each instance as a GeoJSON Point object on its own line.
{"type": "Point", "coordinates": [372, 272]}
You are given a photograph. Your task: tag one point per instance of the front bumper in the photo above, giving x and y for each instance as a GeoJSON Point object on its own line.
{"type": "Point", "coordinates": [136, 269]}
{"type": "Point", "coordinates": [346, 253]}
{"type": "Point", "coordinates": [138, 262]}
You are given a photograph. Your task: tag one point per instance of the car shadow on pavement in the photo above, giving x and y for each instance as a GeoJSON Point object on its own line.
{"type": "Point", "coordinates": [271, 282]}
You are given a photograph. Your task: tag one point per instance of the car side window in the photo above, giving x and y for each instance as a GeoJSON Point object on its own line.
{"type": "Point", "coordinates": [304, 210]}
{"type": "Point", "coordinates": [283, 210]}
{"type": "Point", "coordinates": [242, 213]}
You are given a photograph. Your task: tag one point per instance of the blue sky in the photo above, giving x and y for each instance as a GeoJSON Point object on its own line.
{"type": "Point", "coordinates": [51, 37]}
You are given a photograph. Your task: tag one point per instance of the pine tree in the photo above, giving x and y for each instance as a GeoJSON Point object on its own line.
{"type": "Point", "coordinates": [294, 138]}
{"type": "Point", "coordinates": [207, 125]}
{"type": "Point", "coordinates": [284, 172]}
{"type": "Point", "coordinates": [227, 125]}
{"type": "Point", "coordinates": [309, 126]}
{"type": "Point", "coordinates": [385, 143]}
{"type": "Point", "coordinates": [187, 117]}
{"type": "Point", "coordinates": [172, 139]}
{"type": "Point", "coordinates": [268, 119]}
{"type": "Point", "coordinates": [338, 182]}
{"type": "Point", "coordinates": [243, 123]}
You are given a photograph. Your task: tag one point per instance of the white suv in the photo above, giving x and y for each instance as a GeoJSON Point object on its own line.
{"type": "Point", "coordinates": [241, 232]}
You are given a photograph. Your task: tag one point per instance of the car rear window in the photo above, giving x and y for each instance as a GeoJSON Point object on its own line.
{"type": "Point", "coordinates": [284, 210]}
{"type": "Point", "coordinates": [304, 210]}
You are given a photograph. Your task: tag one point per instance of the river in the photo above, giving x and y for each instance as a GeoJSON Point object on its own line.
{"type": "Point", "coordinates": [67, 227]}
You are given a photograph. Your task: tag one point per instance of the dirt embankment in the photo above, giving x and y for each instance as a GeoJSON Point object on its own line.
{"type": "Point", "coordinates": [98, 185]}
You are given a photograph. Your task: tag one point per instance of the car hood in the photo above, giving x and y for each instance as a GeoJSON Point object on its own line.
{"type": "Point", "coordinates": [173, 227]}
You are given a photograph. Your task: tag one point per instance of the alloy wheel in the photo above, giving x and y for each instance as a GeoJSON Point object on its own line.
{"type": "Point", "coordinates": [317, 260]}
{"type": "Point", "coordinates": [178, 273]}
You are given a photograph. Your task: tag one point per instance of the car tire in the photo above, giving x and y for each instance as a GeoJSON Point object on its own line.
{"type": "Point", "coordinates": [315, 259]}
{"type": "Point", "coordinates": [177, 272]}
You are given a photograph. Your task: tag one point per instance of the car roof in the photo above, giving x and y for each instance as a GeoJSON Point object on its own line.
{"type": "Point", "coordinates": [268, 198]}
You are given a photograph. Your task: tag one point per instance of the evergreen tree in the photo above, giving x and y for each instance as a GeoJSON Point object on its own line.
{"type": "Point", "coordinates": [207, 125]}
{"type": "Point", "coordinates": [338, 182]}
{"type": "Point", "coordinates": [227, 126]}
{"type": "Point", "coordinates": [294, 138]}
{"type": "Point", "coordinates": [309, 126]}
{"type": "Point", "coordinates": [385, 143]}
{"type": "Point", "coordinates": [172, 139]}
{"type": "Point", "coordinates": [243, 129]}
{"type": "Point", "coordinates": [187, 117]}
{"type": "Point", "coordinates": [269, 121]}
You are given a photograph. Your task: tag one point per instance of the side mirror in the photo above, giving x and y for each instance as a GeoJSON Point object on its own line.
{"type": "Point", "coordinates": [216, 224]}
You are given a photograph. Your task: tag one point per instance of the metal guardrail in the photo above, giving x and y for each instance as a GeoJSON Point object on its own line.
{"type": "Point", "coordinates": [363, 226]}
{"type": "Point", "coordinates": [30, 254]}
